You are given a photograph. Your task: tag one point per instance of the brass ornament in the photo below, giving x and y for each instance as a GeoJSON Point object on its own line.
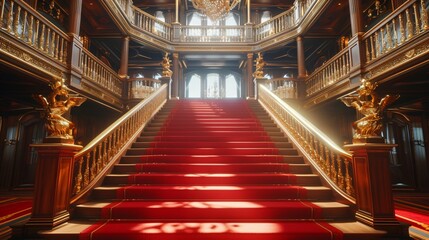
{"type": "Point", "coordinates": [166, 71]}
{"type": "Point", "coordinates": [260, 64]}
{"type": "Point", "coordinates": [57, 103]}
{"type": "Point", "coordinates": [368, 103]}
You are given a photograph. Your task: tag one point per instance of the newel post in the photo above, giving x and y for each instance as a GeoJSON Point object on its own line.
{"type": "Point", "coordinates": [53, 186]}
{"type": "Point", "coordinates": [373, 186]}
{"type": "Point", "coordinates": [54, 173]}
{"type": "Point", "coordinates": [370, 160]}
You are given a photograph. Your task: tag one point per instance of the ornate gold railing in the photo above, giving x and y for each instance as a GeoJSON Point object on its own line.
{"type": "Point", "coordinates": [404, 24]}
{"type": "Point", "coordinates": [22, 22]}
{"type": "Point", "coordinates": [332, 162]}
{"type": "Point", "coordinates": [94, 70]}
{"type": "Point", "coordinates": [333, 71]}
{"type": "Point", "coordinates": [285, 88]}
{"type": "Point", "coordinates": [149, 23]}
{"type": "Point", "coordinates": [94, 160]}
{"type": "Point", "coordinates": [216, 34]}
{"type": "Point", "coordinates": [275, 25]}
{"type": "Point", "coordinates": [140, 88]}
{"type": "Point", "coordinates": [212, 34]}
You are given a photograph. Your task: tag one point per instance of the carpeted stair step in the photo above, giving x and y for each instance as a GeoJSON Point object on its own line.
{"type": "Point", "coordinates": [214, 210]}
{"type": "Point", "coordinates": [223, 159]}
{"type": "Point", "coordinates": [207, 193]}
{"type": "Point", "coordinates": [216, 230]}
{"type": "Point", "coordinates": [212, 179]}
{"type": "Point", "coordinates": [212, 151]}
{"type": "Point", "coordinates": [212, 168]}
{"type": "Point", "coordinates": [199, 144]}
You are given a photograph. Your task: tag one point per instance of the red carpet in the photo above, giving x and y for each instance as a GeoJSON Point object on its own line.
{"type": "Point", "coordinates": [212, 172]}
{"type": "Point", "coordinates": [13, 210]}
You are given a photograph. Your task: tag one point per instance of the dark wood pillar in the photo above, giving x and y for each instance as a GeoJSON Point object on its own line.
{"type": "Point", "coordinates": [300, 57]}
{"type": "Point", "coordinates": [356, 46]}
{"type": "Point", "coordinates": [249, 82]}
{"type": "Point", "coordinates": [75, 48]}
{"type": "Point", "coordinates": [75, 16]}
{"type": "Point", "coordinates": [53, 186]}
{"type": "Point", "coordinates": [373, 186]}
{"type": "Point", "coordinates": [176, 72]}
{"type": "Point", "coordinates": [123, 69]}
{"type": "Point", "coordinates": [355, 16]}
{"type": "Point", "coordinates": [302, 71]}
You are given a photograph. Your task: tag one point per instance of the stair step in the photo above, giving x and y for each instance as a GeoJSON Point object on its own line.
{"type": "Point", "coordinates": [212, 151]}
{"type": "Point", "coordinates": [212, 179]}
{"type": "Point", "coordinates": [213, 168]}
{"type": "Point", "coordinates": [204, 138]}
{"type": "Point", "coordinates": [225, 159]}
{"type": "Point", "coordinates": [199, 144]}
{"type": "Point", "coordinates": [227, 193]}
{"type": "Point", "coordinates": [208, 210]}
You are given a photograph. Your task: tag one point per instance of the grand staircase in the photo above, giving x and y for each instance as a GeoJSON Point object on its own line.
{"type": "Point", "coordinates": [212, 169]}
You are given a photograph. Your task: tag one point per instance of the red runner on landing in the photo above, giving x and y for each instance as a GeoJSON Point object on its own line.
{"type": "Point", "coordinates": [212, 171]}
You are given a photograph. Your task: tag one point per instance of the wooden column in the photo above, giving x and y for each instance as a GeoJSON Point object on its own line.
{"type": "Point", "coordinates": [123, 69]}
{"type": "Point", "coordinates": [356, 46]}
{"type": "Point", "coordinates": [53, 186]}
{"type": "Point", "coordinates": [75, 16]}
{"type": "Point", "coordinates": [74, 74]}
{"type": "Point", "coordinates": [373, 186]}
{"type": "Point", "coordinates": [249, 82]}
{"type": "Point", "coordinates": [301, 57]}
{"type": "Point", "coordinates": [249, 21]}
{"type": "Point", "coordinates": [355, 16]}
{"type": "Point", "coordinates": [175, 83]}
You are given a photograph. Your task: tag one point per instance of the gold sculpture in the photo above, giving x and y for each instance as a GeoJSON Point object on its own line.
{"type": "Point", "coordinates": [368, 103]}
{"type": "Point", "coordinates": [166, 71]}
{"type": "Point", "coordinates": [55, 105]}
{"type": "Point", "coordinates": [260, 64]}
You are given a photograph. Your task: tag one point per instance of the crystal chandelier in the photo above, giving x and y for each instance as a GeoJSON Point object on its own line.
{"type": "Point", "coordinates": [214, 9]}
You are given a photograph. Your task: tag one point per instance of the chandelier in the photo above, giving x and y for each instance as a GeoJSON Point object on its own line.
{"type": "Point", "coordinates": [214, 9]}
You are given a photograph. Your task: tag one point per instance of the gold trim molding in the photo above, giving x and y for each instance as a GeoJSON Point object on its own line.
{"type": "Point", "coordinates": [11, 49]}
{"type": "Point", "coordinates": [398, 60]}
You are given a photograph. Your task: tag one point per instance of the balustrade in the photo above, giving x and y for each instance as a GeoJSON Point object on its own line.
{"type": "Point", "coordinates": [149, 23]}
{"type": "Point", "coordinates": [407, 22]}
{"type": "Point", "coordinates": [19, 20]}
{"type": "Point", "coordinates": [142, 87]}
{"type": "Point", "coordinates": [280, 23]}
{"type": "Point", "coordinates": [284, 88]}
{"type": "Point", "coordinates": [331, 161]}
{"type": "Point", "coordinates": [334, 70]}
{"type": "Point", "coordinates": [212, 34]}
{"type": "Point", "coordinates": [96, 71]}
{"type": "Point", "coordinates": [94, 160]}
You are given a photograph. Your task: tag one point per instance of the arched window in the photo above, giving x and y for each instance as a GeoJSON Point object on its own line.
{"type": "Point", "coordinates": [213, 85]}
{"type": "Point", "coordinates": [232, 19]}
{"type": "Point", "coordinates": [194, 19]}
{"type": "Point", "coordinates": [231, 87]}
{"type": "Point", "coordinates": [159, 27]}
{"type": "Point", "coordinates": [193, 88]}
